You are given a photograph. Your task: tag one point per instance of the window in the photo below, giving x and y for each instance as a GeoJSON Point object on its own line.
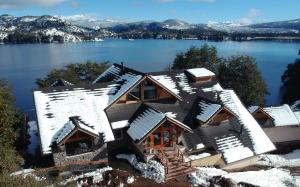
{"type": "Point", "coordinates": [149, 90]}
{"type": "Point", "coordinates": [118, 134]}
{"type": "Point", "coordinates": [156, 138]}
{"type": "Point", "coordinates": [134, 95]}
{"type": "Point", "coordinates": [78, 147]}
{"type": "Point", "coordinates": [166, 137]}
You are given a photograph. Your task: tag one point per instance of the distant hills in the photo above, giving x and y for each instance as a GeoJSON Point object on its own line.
{"type": "Point", "coordinates": [47, 29]}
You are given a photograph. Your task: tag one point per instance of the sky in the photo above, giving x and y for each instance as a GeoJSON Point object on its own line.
{"type": "Point", "coordinates": [192, 11]}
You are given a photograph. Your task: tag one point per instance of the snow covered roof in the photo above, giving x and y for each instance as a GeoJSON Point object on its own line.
{"type": "Point", "coordinates": [232, 148]}
{"type": "Point", "coordinates": [54, 109]}
{"type": "Point", "coordinates": [259, 140]}
{"type": "Point", "coordinates": [296, 106]}
{"type": "Point", "coordinates": [144, 123]}
{"type": "Point", "coordinates": [119, 124]}
{"type": "Point", "coordinates": [147, 120]}
{"type": "Point", "coordinates": [115, 73]}
{"type": "Point", "coordinates": [282, 115]}
{"type": "Point", "coordinates": [166, 82]}
{"type": "Point", "coordinates": [297, 114]}
{"type": "Point", "coordinates": [253, 109]}
{"type": "Point", "coordinates": [207, 110]}
{"type": "Point", "coordinates": [200, 72]}
{"type": "Point", "coordinates": [184, 84]}
{"type": "Point", "coordinates": [55, 106]}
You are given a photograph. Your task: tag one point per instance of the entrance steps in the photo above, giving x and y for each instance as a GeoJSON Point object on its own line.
{"type": "Point", "coordinates": [176, 167]}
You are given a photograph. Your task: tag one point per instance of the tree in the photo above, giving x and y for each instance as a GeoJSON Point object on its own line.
{"type": "Point", "coordinates": [8, 134]}
{"type": "Point", "coordinates": [206, 56]}
{"type": "Point", "coordinates": [9, 128]}
{"type": "Point", "coordinates": [290, 80]}
{"type": "Point", "coordinates": [240, 73]}
{"type": "Point", "coordinates": [74, 73]}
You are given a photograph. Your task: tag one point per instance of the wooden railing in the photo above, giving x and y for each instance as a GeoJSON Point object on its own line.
{"type": "Point", "coordinates": [181, 154]}
{"type": "Point", "coordinates": [164, 159]}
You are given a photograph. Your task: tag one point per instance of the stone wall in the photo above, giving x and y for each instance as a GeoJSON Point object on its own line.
{"type": "Point", "coordinates": [60, 158]}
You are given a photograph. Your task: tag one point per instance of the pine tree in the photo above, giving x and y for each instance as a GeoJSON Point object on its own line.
{"type": "Point", "coordinates": [240, 73]}
{"type": "Point", "coordinates": [291, 80]}
{"type": "Point", "coordinates": [74, 73]}
{"type": "Point", "coordinates": [206, 57]}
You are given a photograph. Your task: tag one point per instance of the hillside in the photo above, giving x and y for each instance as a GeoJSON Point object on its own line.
{"type": "Point", "coordinates": [77, 28]}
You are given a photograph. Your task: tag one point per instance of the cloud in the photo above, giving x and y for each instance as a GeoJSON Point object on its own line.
{"type": "Point", "coordinates": [251, 15]}
{"type": "Point", "coordinates": [11, 4]}
{"type": "Point", "coordinates": [191, 1]}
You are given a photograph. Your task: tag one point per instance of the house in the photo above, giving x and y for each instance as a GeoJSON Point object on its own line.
{"type": "Point", "coordinates": [181, 117]}
{"type": "Point", "coordinates": [280, 123]}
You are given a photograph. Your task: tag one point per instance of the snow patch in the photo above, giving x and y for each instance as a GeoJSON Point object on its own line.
{"type": "Point", "coordinates": [27, 173]}
{"type": "Point", "coordinates": [119, 124]}
{"type": "Point", "coordinates": [151, 170]}
{"type": "Point", "coordinates": [130, 180]}
{"type": "Point", "coordinates": [264, 178]}
{"type": "Point", "coordinates": [97, 176]}
{"type": "Point", "coordinates": [290, 159]}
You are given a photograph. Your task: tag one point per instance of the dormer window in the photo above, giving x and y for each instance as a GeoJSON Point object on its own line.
{"type": "Point", "coordinates": [134, 95]}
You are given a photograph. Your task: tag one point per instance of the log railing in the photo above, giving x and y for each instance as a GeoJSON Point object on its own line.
{"type": "Point", "coordinates": [164, 159]}
{"type": "Point", "coordinates": [181, 154]}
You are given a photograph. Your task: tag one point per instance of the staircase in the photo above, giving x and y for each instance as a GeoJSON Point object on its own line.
{"type": "Point", "coordinates": [174, 164]}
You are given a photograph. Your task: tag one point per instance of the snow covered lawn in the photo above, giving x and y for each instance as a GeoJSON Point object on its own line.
{"type": "Point", "coordinates": [265, 178]}
{"type": "Point", "coordinates": [290, 159]}
{"type": "Point", "coordinates": [278, 175]}
{"type": "Point", "coordinates": [97, 176]}
{"type": "Point", "coordinates": [151, 170]}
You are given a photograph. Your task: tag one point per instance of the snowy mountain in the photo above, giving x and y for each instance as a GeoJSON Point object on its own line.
{"type": "Point", "coordinates": [291, 26]}
{"type": "Point", "coordinates": [45, 27]}
{"type": "Point", "coordinates": [76, 28]}
{"type": "Point", "coordinates": [90, 22]}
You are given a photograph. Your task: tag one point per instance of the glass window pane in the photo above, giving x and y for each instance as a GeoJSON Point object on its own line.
{"type": "Point", "coordinates": [134, 94]}
{"type": "Point", "coordinates": [156, 137]}
{"type": "Point", "coordinates": [166, 137]}
{"type": "Point", "coordinates": [150, 92]}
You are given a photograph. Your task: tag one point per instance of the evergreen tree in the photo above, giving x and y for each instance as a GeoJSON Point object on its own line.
{"type": "Point", "coordinates": [74, 73]}
{"type": "Point", "coordinates": [9, 129]}
{"type": "Point", "coordinates": [240, 73]}
{"type": "Point", "coordinates": [206, 56]}
{"type": "Point", "coordinates": [291, 83]}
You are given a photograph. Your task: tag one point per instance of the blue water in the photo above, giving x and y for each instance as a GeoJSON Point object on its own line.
{"type": "Point", "coordinates": [22, 64]}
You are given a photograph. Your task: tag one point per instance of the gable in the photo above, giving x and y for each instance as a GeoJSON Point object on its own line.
{"type": "Point", "coordinates": [222, 115]}
{"type": "Point", "coordinates": [141, 91]}
{"type": "Point", "coordinates": [77, 135]}
{"type": "Point", "coordinates": [147, 120]}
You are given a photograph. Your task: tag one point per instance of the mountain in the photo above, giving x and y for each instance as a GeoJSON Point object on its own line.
{"type": "Point", "coordinates": [90, 22]}
{"type": "Point", "coordinates": [47, 29]}
{"type": "Point", "coordinates": [44, 29]}
{"type": "Point", "coordinates": [290, 26]}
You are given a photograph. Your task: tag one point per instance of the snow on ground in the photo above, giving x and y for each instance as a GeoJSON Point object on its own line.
{"type": "Point", "coordinates": [130, 180]}
{"type": "Point", "coordinates": [27, 173]}
{"type": "Point", "coordinates": [265, 178]}
{"type": "Point", "coordinates": [196, 157]}
{"type": "Point", "coordinates": [97, 176]}
{"type": "Point", "coordinates": [151, 170]}
{"type": "Point", "coordinates": [290, 159]}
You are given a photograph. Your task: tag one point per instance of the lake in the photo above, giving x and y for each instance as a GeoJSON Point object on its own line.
{"type": "Point", "coordinates": [22, 64]}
